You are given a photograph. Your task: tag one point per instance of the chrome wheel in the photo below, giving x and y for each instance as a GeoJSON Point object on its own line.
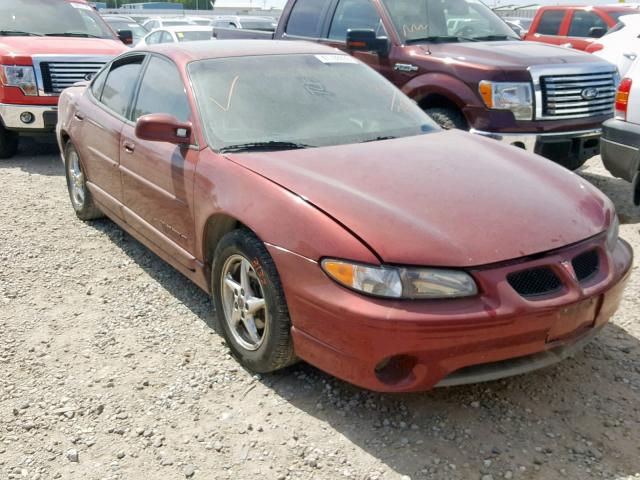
{"type": "Point", "coordinates": [243, 302]}
{"type": "Point", "coordinates": [76, 180]}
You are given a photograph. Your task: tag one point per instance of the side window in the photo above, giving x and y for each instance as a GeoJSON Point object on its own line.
{"type": "Point", "coordinates": [355, 14]}
{"type": "Point", "coordinates": [153, 38]}
{"type": "Point", "coordinates": [306, 18]}
{"type": "Point", "coordinates": [583, 22]}
{"type": "Point", "coordinates": [166, 38]}
{"type": "Point", "coordinates": [550, 22]}
{"type": "Point", "coordinates": [98, 83]}
{"type": "Point", "coordinates": [162, 91]}
{"type": "Point", "coordinates": [119, 86]}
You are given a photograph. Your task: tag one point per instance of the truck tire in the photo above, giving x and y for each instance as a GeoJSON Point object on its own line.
{"type": "Point", "coordinates": [8, 143]}
{"type": "Point", "coordinates": [447, 118]}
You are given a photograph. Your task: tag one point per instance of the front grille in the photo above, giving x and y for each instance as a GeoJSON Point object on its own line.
{"type": "Point", "coordinates": [578, 96]}
{"type": "Point", "coordinates": [56, 76]}
{"type": "Point", "coordinates": [586, 265]}
{"type": "Point", "coordinates": [534, 282]}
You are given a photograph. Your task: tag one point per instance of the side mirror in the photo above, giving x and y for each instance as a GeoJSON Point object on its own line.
{"type": "Point", "coordinates": [160, 127]}
{"type": "Point", "coordinates": [597, 32]}
{"type": "Point", "coordinates": [126, 36]}
{"type": "Point", "coordinates": [366, 41]}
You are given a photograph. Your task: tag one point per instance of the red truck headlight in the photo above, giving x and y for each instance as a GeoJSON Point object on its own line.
{"type": "Point", "coordinates": [23, 77]}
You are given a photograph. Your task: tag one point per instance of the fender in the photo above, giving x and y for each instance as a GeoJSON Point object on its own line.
{"type": "Point", "coordinates": [442, 84]}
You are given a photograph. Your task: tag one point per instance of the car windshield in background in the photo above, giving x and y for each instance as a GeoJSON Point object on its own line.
{"type": "Point", "coordinates": [137, 30]}
{"type": "Point", "coordinates": [194, 36]}
{"type": "Point", "coordinates": [446, 21]}
{"type": "Point", "coordinates": [297, 101]}
{"type": "Point", "coordinates": [43, 17]}
{"type": "Point", "coordinates": [265, 25]}
{"type": "Point", "coordinates": [175, 23]}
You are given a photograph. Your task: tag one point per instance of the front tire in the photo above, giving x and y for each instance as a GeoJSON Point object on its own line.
{"type": "Point", "coordinates": [250, 304]}
{"type": "Point", "coordinates": [448, 118]}
{"type": "Point", "coordinates": [8, 143]}
{"type": "Point", "coordinates": [80, 196]}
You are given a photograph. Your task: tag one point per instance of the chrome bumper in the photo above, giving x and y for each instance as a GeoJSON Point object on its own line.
{"type": "Point", "coordinates": [44, 117]}
{"type": "Point", "coordinates": [529, 141]}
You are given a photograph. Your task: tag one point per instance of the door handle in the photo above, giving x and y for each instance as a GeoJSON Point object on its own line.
{"type": "Point", "coordinates": [129, 147]}
{"type": "Point", "coordinates": [630, 55]}
{"type": "Point", "coordinates": [78, 117]}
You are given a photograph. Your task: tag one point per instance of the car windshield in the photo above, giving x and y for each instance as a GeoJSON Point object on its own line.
{"type": "Point", "coordinates": [47, 17]}
{"type": "Point", "coordinates": [194, 35]}
{"type": "Point", "coordinates": [137, 30]}
{"type": "Point", "coordinates": [297, 101]}
{"type": "Point", "coordinates": [258, 24]}
{"type": "Point", "coordinates": [176, 23]}
{"type": "Point", "coordinates": [446, 21]}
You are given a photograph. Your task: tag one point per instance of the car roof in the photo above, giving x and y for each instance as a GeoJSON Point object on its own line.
{"type": "Point", "coordinates": [185, 28]}
{"type": "Point", "coordinates": [183, 53]}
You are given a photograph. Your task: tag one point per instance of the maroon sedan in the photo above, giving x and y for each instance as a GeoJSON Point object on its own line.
{"type": "Point", "coordinates": [333, 221]}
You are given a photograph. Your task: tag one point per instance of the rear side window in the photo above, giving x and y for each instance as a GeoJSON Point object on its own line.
{"type": "Point", "coordinates": [550, 22]}
{"type": "Point", "coordinates": [162, 91]}
{"type": "Point", "coordinates": [583, 22]}
{"type": "Point", "coordinates": [355, 15]}
{"type": "Point", "coordinates": [306, 17]}
{"type": "Point", "coordinates": [118, 89]}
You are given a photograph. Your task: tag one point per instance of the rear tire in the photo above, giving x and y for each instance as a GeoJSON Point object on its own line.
{"type": "Point", "coordinates": [259, 337]}
{"type": "Point", "coordinates": [80, 196]}
{"type": "Point", "coordinates": [448, 118]}
{"type": "Point", "coordinates": [8, 143]}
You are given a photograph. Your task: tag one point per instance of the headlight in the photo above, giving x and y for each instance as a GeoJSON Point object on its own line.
{"type": "Point", "coordinates": [395, 282]}
{"type": "Point", "coordinates": [612, 233]}
{"type": "Point", "coordinates": [516, 97]}
{"type": "Point", "coordinates": [19, 76]}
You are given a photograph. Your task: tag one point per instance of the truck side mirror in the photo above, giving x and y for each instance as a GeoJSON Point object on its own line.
{"type": "Point", "coordinates": [367, 41]}
{"type": "Point", "coordinates": [597, 32]}
{"type": "Point", "coordinates": [126, 36]}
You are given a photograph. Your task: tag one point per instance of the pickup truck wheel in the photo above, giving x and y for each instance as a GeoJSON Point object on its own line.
{"type": "Point", "coordinates": [8, 143]}
{"type": "Point", "coordinates": [447, 118]}
{"type": "Point", "coordinates": [80, 196]}
{"type": "Point", "coordinates": [250, 304]}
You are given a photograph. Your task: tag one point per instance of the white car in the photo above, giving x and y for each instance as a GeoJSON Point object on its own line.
{"type": "Point", "coordinates": [156, 23]}
{"type": "Point", "coordinates": [620, 143]}
{"type": "Point", "coordinates": [621, 44]}
{"type": "Point", "coordinates": [189, 33]}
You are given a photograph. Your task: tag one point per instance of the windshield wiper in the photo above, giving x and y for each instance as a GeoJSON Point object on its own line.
{"type": "Point", "coordinates": [441, 38]}
{"type": "Point", "coordinates": [6, 33]}
{"type": "Point", "coordinates": [495, 37]}
{"type": "Point", "coordinates": [379, 139]}
{"type": "Point", "coordinates": [72, 34]}
{"type": "Point", "coordinates": [257, 146]}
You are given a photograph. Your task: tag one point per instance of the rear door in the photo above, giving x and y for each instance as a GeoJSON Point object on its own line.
{"type": "Point", "coordinates": [157, 176]}
{"type": "Point", "coordinates": [549, 27]}
{"type": "Point", "coordinates": [100, 123]}
{"type": "Point", "coordinates": [581, 24]}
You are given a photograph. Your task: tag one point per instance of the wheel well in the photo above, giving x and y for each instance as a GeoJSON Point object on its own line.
{"type": "Point", "coordinates": [435, 100]}
{"type": "Point", "coordinates": [64, 136]}
{"type": "Point", "coordinates": [217, 227]}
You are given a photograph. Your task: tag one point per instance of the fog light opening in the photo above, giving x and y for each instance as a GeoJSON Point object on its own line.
{"type": "Point", "coordinates": [519, 145]}
{"type": "Point", "coordinates": [396, 369]}
{"type": "Point", "coordinates": [27, 117]}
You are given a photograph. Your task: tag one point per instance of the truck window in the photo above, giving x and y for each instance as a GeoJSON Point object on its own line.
{"type": "Point", "coordinates": [118, 89]}
{"type": "Point", "coordinates": [550, 22]}
{"type": "Point", "coordinates": [583, 22]}
{"type": "Point", "coordinates": [306, 18]}
{"type": "Point", "coordinates": [162, 96]}
{"type": "Point", "coordinates": [355, 14]}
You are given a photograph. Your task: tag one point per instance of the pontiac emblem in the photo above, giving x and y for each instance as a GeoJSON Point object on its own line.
{"type": "Point", "coordinates": [589, 93]}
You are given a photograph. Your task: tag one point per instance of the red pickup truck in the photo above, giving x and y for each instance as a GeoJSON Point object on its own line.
{"type": "Point", "coordinates": [46, 46]}
{"type": "Point", "coordinates": [573, 26]}
{"type": "Point", "coordinates": [466, 68]}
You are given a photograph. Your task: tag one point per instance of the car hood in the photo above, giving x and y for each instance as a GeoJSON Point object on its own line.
{"type": "Point", "coordinates": [25, 47]}
{"type": "Point", "coordinates": [508, 54]}
{"type": "Point", "coordinates": [442, 199]}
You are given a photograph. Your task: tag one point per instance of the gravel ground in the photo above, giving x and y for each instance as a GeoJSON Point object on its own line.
{"type": "Point", "coordinates": [110, 369]}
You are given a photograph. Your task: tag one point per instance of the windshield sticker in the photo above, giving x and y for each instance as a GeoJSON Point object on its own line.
{"type": "Point", "coordinates": [336, 59]}
{"type": "Point", "coordinates": [81, 6]}
{"type": "Point", "coordinates": [180, 34]}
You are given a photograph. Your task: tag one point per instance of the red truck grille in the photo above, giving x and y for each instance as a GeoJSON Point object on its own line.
{"type": "Point", "coordinates": [56, 76]}
{"type": "Point", "coordinates": [578, 96]}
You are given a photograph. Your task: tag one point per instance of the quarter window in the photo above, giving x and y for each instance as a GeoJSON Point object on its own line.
{"type": "Point", "coordinates": [118, 89]}
{"type": "Point", "coordinates": [583, 22]}
{"type": "Point", "coordinates": [306, 17]}
{"type": "Point", "coordinates": [98, 83]}
{"type": "Point", "coordinates": [550, 22]}
{"type": "Point", "coordinates": [162, 91]}
{"type": "Point", "coordinates": [355, 15]}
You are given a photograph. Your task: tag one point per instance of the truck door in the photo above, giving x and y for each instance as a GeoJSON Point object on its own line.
{"type": "Point", "coordinates": [580, 28]}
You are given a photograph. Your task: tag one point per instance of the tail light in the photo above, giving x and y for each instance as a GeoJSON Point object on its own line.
{"type": "Point", "coordinates": [594, 47]}
{"type": "Point", "coordinates": [622, 98]}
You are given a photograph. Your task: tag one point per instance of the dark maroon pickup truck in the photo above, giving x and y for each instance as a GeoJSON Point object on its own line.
{"type": "Point", "coordinates": [467, 69]}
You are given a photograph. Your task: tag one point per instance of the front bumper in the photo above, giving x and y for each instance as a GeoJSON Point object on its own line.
{"type": "Point", "coordinates": [566, 148]}
{"type": "Point", "coordinates": [448, 342]}
{"type": "Point", "coordinates": [45, 117]}
{"type": "Point", "coordinates": [621, 148]}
